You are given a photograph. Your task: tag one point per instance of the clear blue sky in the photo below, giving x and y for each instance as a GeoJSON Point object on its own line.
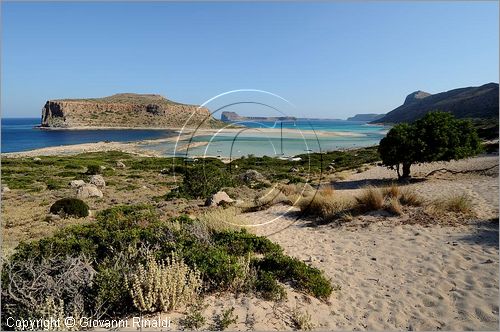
{"type": "Point", "coordinates": [331, 59]}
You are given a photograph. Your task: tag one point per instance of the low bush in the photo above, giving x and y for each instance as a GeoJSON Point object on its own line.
{"type": "Point", "coordinates": [72, 207]}
{"type": "Point", "coordinates": [93, 169]}
{"type": "Point", "coordinates": [201, 181]}
{"type": "Point", "coordinates": [125, 265]}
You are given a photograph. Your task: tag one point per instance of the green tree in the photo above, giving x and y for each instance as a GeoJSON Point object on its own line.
{"type": "Point", "coordinates": [438, 136]}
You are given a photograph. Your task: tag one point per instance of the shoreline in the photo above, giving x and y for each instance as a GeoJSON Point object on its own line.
{"type": "Point", "coordinates": [138, 147]}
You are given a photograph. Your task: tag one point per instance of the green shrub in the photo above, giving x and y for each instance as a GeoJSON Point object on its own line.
{"type": "Point", "coordinates": [268, 287]}
{"type": "Point", "coordinates": [93, 169]}
{"type": "Point", "coordinates": [70, 207]}
{"type": "Point", "coordinates": [304, 277]}
{"type": "Point", "coordinates": [224, 320]}
{"type": "Point", "coordinates": [123, 238]}
{"type": "Point", "coordinates": [201, 181]}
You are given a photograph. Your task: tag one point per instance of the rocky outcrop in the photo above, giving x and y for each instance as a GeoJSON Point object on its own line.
{"type": "Point", "coordinates": [88, 191]}
{"type": "Point", "coordinates": [479, 102]}
{"type": "Point", "coordinates": [218, 198]}
{"type": "Point", "coordinates": [97, 180]}
{"type": "Point", "coordinates": [233, 116]}
{"type": "Point", "coordinates": [415, 96]}
{"type": "Point", "coordinates": [125, 110]}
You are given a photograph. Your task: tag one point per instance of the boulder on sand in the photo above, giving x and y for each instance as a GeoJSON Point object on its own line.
{"type": "Point", "coordinates": [88, 190]}
{"type": "Point", "coordinates": [217, 199]}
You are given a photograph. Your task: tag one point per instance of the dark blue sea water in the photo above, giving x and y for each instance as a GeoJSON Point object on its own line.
{"type": "Point", "coordinates": [19, 134]}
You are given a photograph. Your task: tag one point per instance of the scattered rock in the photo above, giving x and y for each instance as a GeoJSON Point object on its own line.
{"type": "Point", "coordinates": [76, 183]}
{"type": "Point", "coordinates": [331, 168]}
{"type": "Point", "coordinates": [218, 199]}
{"type": "Point", "coordinates": [98, 180]}
{"type": "Point", "coordinates": [37, 159]}
{"type": "Point", "coordinates": [252, 177]}
{"type": "Point", "coordinates": [120, 164]}
{"type": "Point", "coordinates": [294, 170]}
{"type": "Point", "coordinates": [102, 167]}
{"type": "Point", "coordinates": [88, 190]}
{"type": "Point", "coordinates": [53, 217]}
{"type": "Point", "coordinates": [5, 189]}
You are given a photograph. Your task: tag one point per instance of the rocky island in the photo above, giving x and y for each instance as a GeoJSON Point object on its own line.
{"type": "Point", "coordinates": [233, 116]}
{"type": "Point", "coordinates": [125, 110]}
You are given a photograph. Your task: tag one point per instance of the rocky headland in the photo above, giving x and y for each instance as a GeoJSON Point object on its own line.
{"type": "Point", "coordinates": [125, 110]}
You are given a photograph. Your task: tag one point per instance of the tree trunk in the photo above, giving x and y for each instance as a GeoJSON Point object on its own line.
{"type": "Point", "coordinates": [397, 170]}
{"type": "Point", "coordinates": [406, 170]}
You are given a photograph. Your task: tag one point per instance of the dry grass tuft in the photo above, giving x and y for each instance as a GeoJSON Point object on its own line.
{"type": "Point", "coordinates": [393, 191]}
{"type": "Point", "coordinates": [220, 219]}
{"type": "Point", "coordinates": [410, 197]}
{"type": "Point", "coordinates": [455, 203]}
{"type": "Point", "coordinates": [371, 199]}
{"type": "Point", "coordinates": [326, 204]}
{"type": "Point", "coordinates": [288, 189]}
{"type": "Point", "coordinates": [394, 206]}
{"type": "Point", "coordinates": [326, 191]}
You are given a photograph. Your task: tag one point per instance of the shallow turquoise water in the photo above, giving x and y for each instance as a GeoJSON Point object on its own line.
{"type": "Point", "coordinates": [293, 141]}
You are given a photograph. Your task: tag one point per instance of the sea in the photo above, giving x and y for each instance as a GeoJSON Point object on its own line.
{"type": "Point", "coordinates": [288, 139]}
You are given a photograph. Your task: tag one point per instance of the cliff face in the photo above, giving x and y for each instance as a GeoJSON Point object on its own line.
{"type": "Point", "coordinates": [125, 110]}
{"type": "Point", "coordinates": [473, 102]}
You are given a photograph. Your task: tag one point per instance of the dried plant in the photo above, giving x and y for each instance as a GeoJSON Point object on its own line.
{"type": "Point", "coordinates": [164, 285]}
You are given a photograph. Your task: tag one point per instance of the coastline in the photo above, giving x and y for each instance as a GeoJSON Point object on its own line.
{"type": "Point", "coordinates": [184, 134]}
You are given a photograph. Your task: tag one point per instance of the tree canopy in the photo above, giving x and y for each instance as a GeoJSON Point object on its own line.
{"type": "Point", "coordinates": [438, 136]}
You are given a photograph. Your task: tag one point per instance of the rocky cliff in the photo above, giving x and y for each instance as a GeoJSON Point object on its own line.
{"type": "Point", "coordinates": [479, 102]}
{"type": "Point", "coordinates": [125, 110]}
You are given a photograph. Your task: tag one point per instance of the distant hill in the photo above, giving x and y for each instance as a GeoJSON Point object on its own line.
{"type": "Point", "coordinates": [367, 117]}
{"type": "Point", "coordinates": [233, 116]}
{"type": "Point", "coordinates": [129, 110]}
{"type": "Point", "coordinates": [472, 102]}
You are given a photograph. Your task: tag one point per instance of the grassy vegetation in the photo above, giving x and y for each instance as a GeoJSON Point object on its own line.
{"type": "Point", "coordinates": [123, 239]}
{"type": "Point", "coordinates": [313, 163]}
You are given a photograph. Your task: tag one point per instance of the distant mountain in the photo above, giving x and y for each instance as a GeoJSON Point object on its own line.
{"type": "Point", "coordinates": [367, 117]}
{"type": "Point", "coordinates": [233, 116]}
{"type": "Point", "coordinates": [472, 102]}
